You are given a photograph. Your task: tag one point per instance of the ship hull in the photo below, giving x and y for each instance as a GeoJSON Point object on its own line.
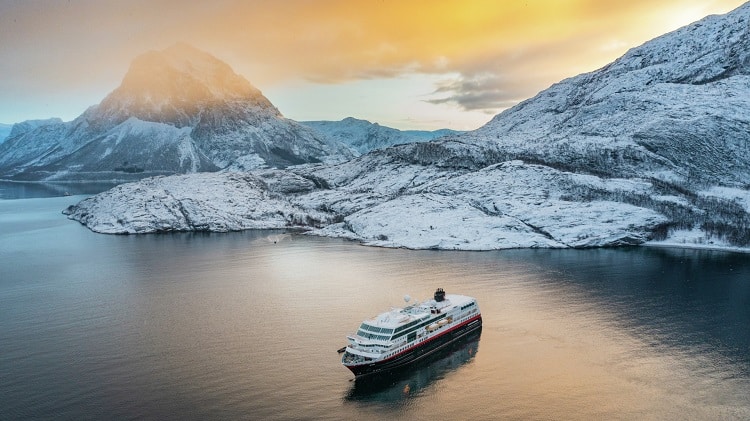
{"type": "Point", "coordinates": [418, 352]}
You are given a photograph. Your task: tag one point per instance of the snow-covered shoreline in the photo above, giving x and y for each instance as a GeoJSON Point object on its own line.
{"type": "Point", "coordinates": [695, 239]}
{"type": "Point", "coordinates": [484, 215]}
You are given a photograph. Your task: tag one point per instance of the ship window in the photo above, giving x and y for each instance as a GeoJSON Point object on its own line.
{"type": "Point", "coordinates": [375, 329]}
{"type": "Point", "coordinates": [406, 326]}
{"type": "Point", "coordinates": [369, 335]}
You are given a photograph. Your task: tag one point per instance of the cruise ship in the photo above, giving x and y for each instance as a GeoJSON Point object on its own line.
{"type": "Point", "coordinates": [396, 338]}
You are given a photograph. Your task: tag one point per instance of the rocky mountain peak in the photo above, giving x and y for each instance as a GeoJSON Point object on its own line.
{"type": "Point", "coordinates": [173, 86]}
{"type": "Point", "coordinates": [177, 110]}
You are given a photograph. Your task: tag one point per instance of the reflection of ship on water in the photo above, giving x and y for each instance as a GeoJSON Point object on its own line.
{"type": "Point", "coordinates": [394, 386]}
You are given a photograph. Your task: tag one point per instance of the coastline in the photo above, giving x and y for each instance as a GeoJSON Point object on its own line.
{"type": "Point", "coordinates": [695, 240]}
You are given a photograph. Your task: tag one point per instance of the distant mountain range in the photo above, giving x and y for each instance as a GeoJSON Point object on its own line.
{"type": "Point", "coordinates": [363, 136]}
{"type": "Point", "coordinates": [178, 110]}
{"type": "Point", "coordinates": [652, 147]}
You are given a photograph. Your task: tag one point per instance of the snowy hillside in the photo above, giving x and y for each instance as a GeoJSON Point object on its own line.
{"type": "Point", "coordinates": [26, 126]}
{"type": "Point", "coordinates": [653, 147]}
{"type": "Point", "coordinates": [675, 108]}
{"type": "Point", "coordinates": [363, 136]}
{"type": "Point", "coordinates": [433, 210]}
{"type": "Point", "coordinates": [178, 110]}
{"type": "Point", "coordinates": [195, 202]}
{"type": "Point", "coordinates": [14, 130]}
{"type": "Point", "coordinates": [5, 131]}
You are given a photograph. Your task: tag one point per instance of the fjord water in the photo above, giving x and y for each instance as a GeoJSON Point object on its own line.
{"type": "Point", "coordinates": [246, 326]}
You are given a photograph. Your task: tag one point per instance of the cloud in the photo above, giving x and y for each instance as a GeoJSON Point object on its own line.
{"type": "Point", "coordinates": [590, 36]}
{"type": "Point", "coordinates": [501, 51]}
{"type": "Point", "coordinates": [487, 92]}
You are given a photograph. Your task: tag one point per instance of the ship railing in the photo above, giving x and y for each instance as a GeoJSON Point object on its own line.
{"type": "Point", "coordinates": [373, 353]}
{"type": "Point", "coordinates": [369, 350]}
{"type": "Point", "coordinates": [356, 339]}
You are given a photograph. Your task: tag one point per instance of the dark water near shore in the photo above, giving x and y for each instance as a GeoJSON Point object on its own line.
{"type": "Point", "coordinates": [246, 326]}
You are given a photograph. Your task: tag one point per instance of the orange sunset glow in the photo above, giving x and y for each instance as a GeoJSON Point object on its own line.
{"type": "Point", "coordinates": [405, 64]}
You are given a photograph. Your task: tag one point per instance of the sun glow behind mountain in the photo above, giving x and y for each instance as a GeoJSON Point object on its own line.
{"type": "Point", "coordinates": [407, 64]}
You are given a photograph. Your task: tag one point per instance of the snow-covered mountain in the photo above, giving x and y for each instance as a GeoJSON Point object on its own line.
{"type": "Point", "coordinates": [26, 126]}
{"type": "Point", "coordinates": [178, 110]}
{"type": "Point", "coordinates": [363, 136]}
{"type": "Point", "coordinates": [654, 145]}
{"type": "Point", "coordinates": [675, 108]}
{"type": "Point", "coordinates": [13, 130]}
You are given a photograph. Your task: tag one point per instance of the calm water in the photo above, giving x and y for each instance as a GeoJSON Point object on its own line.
{"type": "Point", "coordinates": [246, 326]}
{"type": "Point", "coordinates": [23, 190]}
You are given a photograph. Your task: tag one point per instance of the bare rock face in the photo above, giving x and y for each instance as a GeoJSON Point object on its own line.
{"type": "Point", "coordinates": [179, 110]}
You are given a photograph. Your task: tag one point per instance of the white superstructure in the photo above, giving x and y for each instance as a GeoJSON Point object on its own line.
{"type": "Point", "coordinates": [393, 335]}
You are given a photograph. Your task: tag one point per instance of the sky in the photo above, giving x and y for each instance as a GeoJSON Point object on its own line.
{"type": "Point", "coordinates": [402, 63]}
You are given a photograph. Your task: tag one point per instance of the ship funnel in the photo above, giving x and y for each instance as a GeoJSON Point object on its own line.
{"type": "Point", "coordinates": [439, 295]}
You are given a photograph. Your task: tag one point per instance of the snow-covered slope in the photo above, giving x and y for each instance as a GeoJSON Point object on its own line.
{"type": "Point", "coordinates": [177, 110]}
{"type": "Point", "coordinates": [26, 126]}
{"type": "Point", "coordinates": [419, 207]}
{"type": "Point", "coordinates": [675, 108]}
{"type": "Point", "coordinates": [196, 202]}
{"type": "Point", "coordinates": [8, 131]}
{"type": "Point", "coordinates": [363, 136]}
{"type": "Point", "coordinates": [655, 144]}
{"type": "Point", "coordinates": [20, 129]}
{"type": "Point", "coordinates": [29, 146]}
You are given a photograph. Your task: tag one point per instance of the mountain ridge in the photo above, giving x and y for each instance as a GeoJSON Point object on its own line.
{"type": "Point", "coordinates": [364, 136]}
{"type": "Point", "coordinates": [230, 122]}
{"type": "Point", "coordinates": [692, 79]}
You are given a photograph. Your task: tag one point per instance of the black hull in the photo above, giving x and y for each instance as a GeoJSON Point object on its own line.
{"type": "Point", "coordinates": [418, 353]}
